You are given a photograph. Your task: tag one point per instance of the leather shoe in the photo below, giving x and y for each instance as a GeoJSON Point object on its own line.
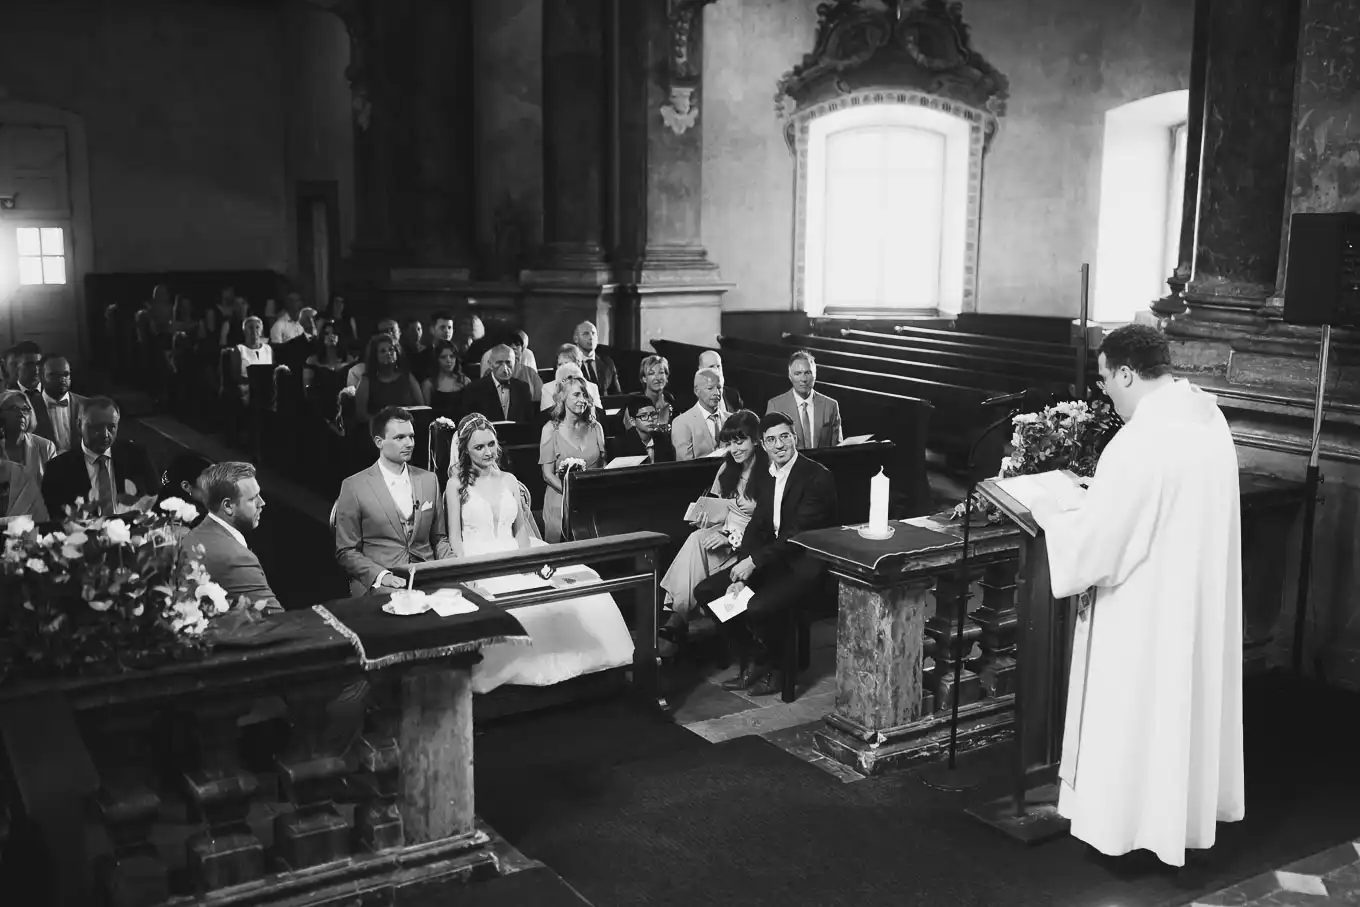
{"type": "Point", "coordinates": [771, 683]}
{"type": "Point", "coordinates": [747, 677]}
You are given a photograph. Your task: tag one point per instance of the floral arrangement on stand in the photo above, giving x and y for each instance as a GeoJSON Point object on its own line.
{"type": "Point", "coordinates": [106, 595]}
{"type": "Point", "coordinates": [1066, 435]}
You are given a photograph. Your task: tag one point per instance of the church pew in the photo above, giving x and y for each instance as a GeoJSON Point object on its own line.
{"type": "Point", "coordinates": [1047, 352]}
{"type": "Point", "coordinates": [1034, 346]}
{"type": "Point", "coordinates": [653, 497]}
{"type": "Point", "coordinates": [1018, 366]}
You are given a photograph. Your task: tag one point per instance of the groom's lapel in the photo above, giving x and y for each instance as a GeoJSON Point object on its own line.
{"type": "Point", "coordinates": [378, 487]}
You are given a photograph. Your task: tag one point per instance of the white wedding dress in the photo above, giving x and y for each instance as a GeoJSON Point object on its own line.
{"type": "Point", "coordinates": [568, 638]}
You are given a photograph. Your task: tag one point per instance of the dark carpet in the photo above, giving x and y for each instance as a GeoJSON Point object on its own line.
{"type": "Point", "coordinates": [638, 816]}
{"type": "Point", "coordinates": [538, 887]}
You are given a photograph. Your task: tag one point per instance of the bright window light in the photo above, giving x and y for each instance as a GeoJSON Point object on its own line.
{"type": "Point", "coordinates": [42, 255]}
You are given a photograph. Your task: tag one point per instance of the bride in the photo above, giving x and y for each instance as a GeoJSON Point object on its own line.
{"type": "Point", "coordinates": [488, 512]}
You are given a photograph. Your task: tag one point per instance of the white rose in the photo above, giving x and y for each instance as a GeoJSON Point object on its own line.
{"type": "Point", "coordinates": [77, 538]}
{"type": "Point", "coordinates": [117, 532]}
{"type": "Point", "coordinates": [137, 611]}
{"type": "Point", "coordinates": [101, 605]}
{"type": "Point", "coordinates": [215, 594]}
{"type": "Point", "coordinates": [35, 565]}
{"type": "Point", "coordinates": [19, 525]}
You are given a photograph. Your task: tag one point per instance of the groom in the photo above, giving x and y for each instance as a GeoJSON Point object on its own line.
{"type": "Point", "coordinates": [390, 514]}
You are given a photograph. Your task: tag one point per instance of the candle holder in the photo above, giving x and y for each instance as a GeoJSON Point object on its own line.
{"type": "Point", "coordinates": [867, 532]}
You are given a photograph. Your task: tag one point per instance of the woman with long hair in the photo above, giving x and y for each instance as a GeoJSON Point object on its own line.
{"type": "Point", "coordinates": [385, 382]}
{"type": "Point", "coordinates": [573, 433]}
{"type": "Point", "coordinates": [711, 549]}
{"type": "Point", "coordinates": [442, 389]}
{"type": "Point", "coordinates": [488, 512]}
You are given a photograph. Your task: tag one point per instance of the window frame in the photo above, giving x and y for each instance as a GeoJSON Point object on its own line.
{"type": "Point", "coordinates": [979, 128]}
{"type": "Point", "coordinates": [43, 258]}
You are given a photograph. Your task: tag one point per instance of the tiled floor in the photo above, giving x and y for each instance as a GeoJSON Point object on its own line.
{"type": "Point", "coordinates": [1322, 880]}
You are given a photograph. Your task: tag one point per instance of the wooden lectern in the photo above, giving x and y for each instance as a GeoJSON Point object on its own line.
{"type": "Point", "coordinates": [1043, 656]}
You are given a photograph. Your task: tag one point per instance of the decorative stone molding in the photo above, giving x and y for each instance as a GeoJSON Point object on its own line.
{"type": "Point", "coordinates": [681, 110]}
{"type": "Point", "coordinates": [358, 72]}
{"type": "Point", "coordinates": [981, 125]}
{"type": "Point", "coordinates": [919, 46]}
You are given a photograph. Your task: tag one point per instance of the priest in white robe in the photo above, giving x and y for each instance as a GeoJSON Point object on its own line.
{"type": "Point", "coordinates": [1152, 747]}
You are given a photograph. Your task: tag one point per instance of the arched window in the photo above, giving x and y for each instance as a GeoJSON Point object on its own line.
{"type": "Point", "coordinates": [887, 205]}
{"type": "Point", "coordinates": [1142, 184]}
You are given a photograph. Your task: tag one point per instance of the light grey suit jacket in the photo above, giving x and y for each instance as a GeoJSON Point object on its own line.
{"type": "Point", "coordinates": [231, 565]}
{"type": "Point", "coordinates": [368, 530]}
{"type": "Point", "coordinates": [825, 412]}
{"type": "Point", "coordinates": [690, 434]}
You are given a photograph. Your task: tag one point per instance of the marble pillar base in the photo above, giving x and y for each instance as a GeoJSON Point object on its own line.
{"type": "Point", "coordinates": [686, 313]}
{"type": "Point", "coordinates": [872, 752]}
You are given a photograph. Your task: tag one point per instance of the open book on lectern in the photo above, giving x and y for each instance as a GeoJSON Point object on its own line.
{"type": "Point", "coordinates": [1015, 497]}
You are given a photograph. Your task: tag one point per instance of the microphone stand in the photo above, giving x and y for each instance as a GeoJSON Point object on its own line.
{"type": "Point", "coordinates": [951, 778]}
{"type": "Point", "coordinates": [1311, 481]}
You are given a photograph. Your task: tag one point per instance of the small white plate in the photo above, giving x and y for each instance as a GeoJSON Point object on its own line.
{"type": "Point", "coordinates": [406, 603]}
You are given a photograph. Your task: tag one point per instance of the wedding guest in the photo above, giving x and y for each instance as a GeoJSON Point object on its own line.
{"type": "Point", "coordinates": [234, 505]}
{"type": "Point", "coordinates": [497, 395]}
{"type": "Point", "coordinates": [102, 469]}
{"type": "Point", "coordinates": [695, 431]}
{"type": "Point", "coordinates": [488, 513]}
{"type": "Point", "coordinates": [390, 514]}
{"type": "Point", "coordinates": [731, 396]}
{"type": "Point", "coordinates": [347, 326]}
{"type": "Point", "coordinates": [568, 354]}
{"type": "Point", "coordinates": [254, 351]}
{"type": "Point", "coordinates": [287, 326]}
{"type": "Point", "coordinates": [572, 433]}
{"type": "Point", "coordinates": [598, 368]}
{"type": "Point", "coordinates": [712, 549]}
{"type": "Point", "coordinates": [20, 445]}
{"type": "Point", "coordinates": [655, 374]}
{"type": "Point", "coordinates": [441, 331]}
{"type": "Point", "coordinates": [526, 367]}
{"type": "Point", "coordinates": [55, 408]}
{"type": "Point", "coordinates": [385, 383]}
{"type": "Point", "coordinates": [799, 495]}
{"type": "Point", "coordinates": [443, 389]}
{"type": "Point", "coordinates": [19, 494]}
{"type": "Point", "coordinates": [413, 348]}
{"type": "Point", "coordinates": [329, 355]}
{"type": "Point", "coordinates": [642, 438]}
{"type": "Point", "coordinates": [22, 372]}
{"type": "Point", "coordinates": [180, 480]}
{"type": "Point", "coordinates": [816, 416]}
{"type": "Point", "coordinates": [386, 326]}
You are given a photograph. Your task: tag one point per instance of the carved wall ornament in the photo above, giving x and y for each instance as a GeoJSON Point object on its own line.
{"type": "Point", "coordinates": [351, 14]}
{"type": "Point", "coordinates": [681, 110]}
{"type": "Point", "coordinates": [913, 45]}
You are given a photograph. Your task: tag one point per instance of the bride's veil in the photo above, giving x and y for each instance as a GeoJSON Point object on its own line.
{"type": "Point", "coordinates": [466, 426]}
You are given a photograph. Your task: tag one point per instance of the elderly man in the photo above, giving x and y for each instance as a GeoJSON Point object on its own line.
{"type": "Point", "coordinates": [568, 354]}
{"type": "Point", "coordinates": [816, 416]}
{"type": "Point", "coordinates": [55, 409]}
{"type": "Point", "coordinates": [288, 326]}
{"type": "Point", "coordinates": [232, 495]}
{"type": "Point", "coordinates": [694, 433]}
{"type": "Point", "coordinates": [596, 366]}
{"type": "Point", "coordinates": [499, 395]}
{"type": "Point", "coordinates": [102, 470]}
{"type": "Point", "coordinates": [731, 396]}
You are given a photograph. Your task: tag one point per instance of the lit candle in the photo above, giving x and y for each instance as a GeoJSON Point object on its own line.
{"type": "Point", "coordinates": [878, 504]}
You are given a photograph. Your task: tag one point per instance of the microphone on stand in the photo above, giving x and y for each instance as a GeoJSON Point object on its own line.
{"type": "Point", "coordinates": [1029, 397]}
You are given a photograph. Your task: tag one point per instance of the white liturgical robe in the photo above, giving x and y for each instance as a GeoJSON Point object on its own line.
{"type": "Point", "coordinates": [1152, 746]}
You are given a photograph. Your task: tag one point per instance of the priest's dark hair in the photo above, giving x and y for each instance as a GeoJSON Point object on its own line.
{"type": "Point", "coordinates": [1141, 347]}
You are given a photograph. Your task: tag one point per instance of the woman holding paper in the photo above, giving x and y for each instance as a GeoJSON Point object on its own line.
{"type": "Point", "coordinates": [711, 548]}
{"type": "Point", "coordinates": [488, 513]}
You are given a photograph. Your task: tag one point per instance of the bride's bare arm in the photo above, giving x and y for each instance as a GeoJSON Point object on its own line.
{"type": "Point", "coordinates": [453, 507]}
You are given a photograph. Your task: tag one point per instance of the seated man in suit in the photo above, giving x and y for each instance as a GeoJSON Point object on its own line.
{"type": "Point", "coordinates": [499, 396]}
{"type": "Point", "coordinates": [234, 502]}
{"type": "Point", "coordinates": [731, 396]}
{"type": "Point", "coordinates": [695, 431]}
{"type": "Point", "coordinates": [55, 409]}
{"type": "Point", "coordinates": [816, 416]}
{"type": "Point", "coordinates": [101, 470]}
{"type": "Point", "coordinates": [598, 368]}
{"type": "Point", "coordinates": [390, 514]}
{"type": "Point", "coordinates": [568, 354]}
{"type": "Point", "coordinates": [796, 496]}
{"type": "Point", "coordinates": [644, 438]}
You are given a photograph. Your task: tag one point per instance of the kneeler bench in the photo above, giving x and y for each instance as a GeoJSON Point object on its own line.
{"type": "Point", "coordinates": [898, 603]}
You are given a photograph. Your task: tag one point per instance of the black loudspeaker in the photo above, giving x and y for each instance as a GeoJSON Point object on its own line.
{"type": "Point", "coordinates": [1322, 282]}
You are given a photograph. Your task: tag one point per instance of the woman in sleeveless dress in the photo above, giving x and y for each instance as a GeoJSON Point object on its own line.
{"type": "Point", "coordinates": [488, 513]}
{"type": "Point", "coordinates": [571, 433]}
{"type": "Point", "coordinates": [444, 388]}
{"type": "Point", "coordinates": [712, 549]}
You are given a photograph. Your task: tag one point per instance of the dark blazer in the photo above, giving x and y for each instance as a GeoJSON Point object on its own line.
{"type": "Point", "coordinates": [606, 374]}
{"type": "Point", "coordinates": [43, 417]}
{"type": "Point", "coordinates": [482, 397]}
{"type": "Point", "coordinates": [231, 565]}
{"type": "Point", "coordinates": [629, 444]}
{"type": "Point", "coordinates": [809, 503]}
{"type": "Point", "coordinates": [67, 478]}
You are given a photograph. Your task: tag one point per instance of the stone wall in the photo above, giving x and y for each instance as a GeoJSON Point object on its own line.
{"type": "Point", "coordinates": [1067, 65]}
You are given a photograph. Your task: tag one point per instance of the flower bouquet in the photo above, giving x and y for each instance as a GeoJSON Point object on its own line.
{"type": "Point", "coordinates": [105, 595]}
{"type": "Point", "coordinates": [567, 464]}
{"type": "Point", "coordinates": [1067, 435]}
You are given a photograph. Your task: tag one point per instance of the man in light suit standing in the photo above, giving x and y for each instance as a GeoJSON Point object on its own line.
{"type": "Point", "coordinates": [694, 433]}
{"type": "Point", "coordinates": [390, 514]}
{"type": "Point", "coordinates": [816, 417]}
{"type": "Point", "coordinates": [232, 495]}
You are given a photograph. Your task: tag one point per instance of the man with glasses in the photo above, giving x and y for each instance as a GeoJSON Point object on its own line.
{"type": "Point", "coordinates": [797, 495]}
{"type": "Point", "coordinates": [1152, 747]}
{"type": "Point", "coordinates": [644, 438]}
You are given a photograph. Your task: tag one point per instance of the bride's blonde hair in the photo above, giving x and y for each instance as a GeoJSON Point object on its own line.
{"type": "Point", "coordinates": [461, 466]}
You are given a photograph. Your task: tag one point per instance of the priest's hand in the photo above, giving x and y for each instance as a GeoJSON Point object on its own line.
{"type": "Point", "coordinates": [743, 570]}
